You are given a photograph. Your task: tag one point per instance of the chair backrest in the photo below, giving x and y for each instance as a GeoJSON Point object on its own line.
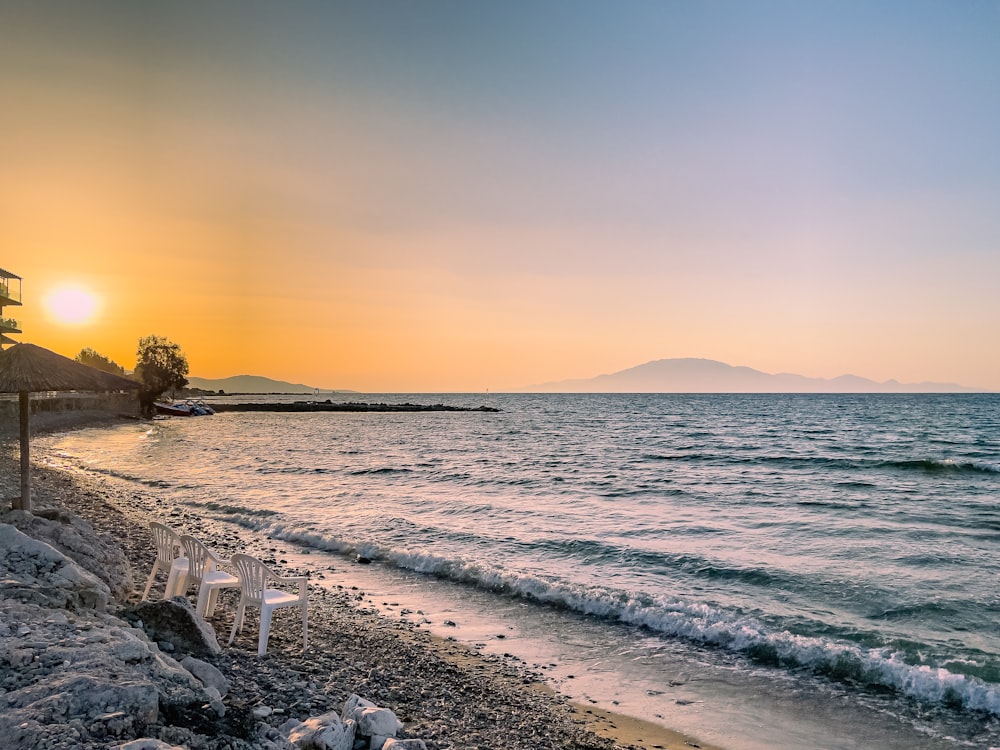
{"type": "Point", "coordinates": [253, 575]}
{"type": "Point", "coordinates": [200, 558]}
{"type": "Point", "coordinates": [166, 541]}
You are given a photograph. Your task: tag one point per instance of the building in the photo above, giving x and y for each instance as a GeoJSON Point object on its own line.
{"type": "Point", "coordinates": [10, 294]}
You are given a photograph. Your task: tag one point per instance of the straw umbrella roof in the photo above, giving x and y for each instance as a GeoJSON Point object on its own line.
{"type": "Point", "coordinates": [27, 368]}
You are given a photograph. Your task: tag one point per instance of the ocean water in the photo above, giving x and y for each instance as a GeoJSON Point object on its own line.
{"type": "Point", "coordinates": [816, 570]}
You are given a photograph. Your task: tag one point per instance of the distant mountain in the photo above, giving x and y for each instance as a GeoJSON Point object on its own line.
{"type": "Point", "coordinates": [709, 376]}
{"type": "Point", "coordinates": [248, 384]}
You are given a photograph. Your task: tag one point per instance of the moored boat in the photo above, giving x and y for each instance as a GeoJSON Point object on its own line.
{"type": "Point", "coordinates": [187, 409]}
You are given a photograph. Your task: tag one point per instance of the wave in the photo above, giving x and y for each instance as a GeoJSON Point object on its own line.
{"type": "Point", "coordinates": [232, 510]}
{"type": "Point", "coordinates": [879, 668]}
{"type": "Point", "coordinates": [380, 470]}
{"type": "Point", "coordinates": [923, 465]}
{"type": "Point", "coordinates": [944, 466]}
{"type": "Point", "coordinates": [114, 474]}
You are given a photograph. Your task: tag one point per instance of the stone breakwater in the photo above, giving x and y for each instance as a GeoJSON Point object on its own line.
{"type": "Point", "coordinates": [350, 406]}
{"type": "Point", "coordinates": [84, 664]}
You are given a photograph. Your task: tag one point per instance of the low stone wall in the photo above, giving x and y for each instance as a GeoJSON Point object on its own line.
{"type": "Point", "coordinates": [57, 410]}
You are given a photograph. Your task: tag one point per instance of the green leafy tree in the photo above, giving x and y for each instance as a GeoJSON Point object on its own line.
{"type": "Point", "coordinates": [160, 366]}
{"type": "Point", "coordinates": [92, 358]}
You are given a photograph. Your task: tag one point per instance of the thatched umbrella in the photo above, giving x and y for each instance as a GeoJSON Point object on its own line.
{"type": "Point", "coordinates": [25, 368]}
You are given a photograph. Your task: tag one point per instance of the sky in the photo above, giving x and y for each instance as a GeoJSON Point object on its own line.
{"type": "Point", "coordinates": [466, 196]}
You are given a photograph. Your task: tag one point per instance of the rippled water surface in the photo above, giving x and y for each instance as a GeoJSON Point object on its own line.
{"type": "Point", "coordinates": [850, 539]}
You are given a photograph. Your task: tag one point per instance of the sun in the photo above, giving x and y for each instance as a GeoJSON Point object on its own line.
{"type": "Point", "coordinates": [71, 305]}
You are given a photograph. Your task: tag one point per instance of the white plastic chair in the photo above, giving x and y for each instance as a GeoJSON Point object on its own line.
{"type": "Point", "coordinates": [203, 569]}
{"type": "Point", "coordinates": [169, 559]}
{"type": "Point", "coordinates": [254, 592]}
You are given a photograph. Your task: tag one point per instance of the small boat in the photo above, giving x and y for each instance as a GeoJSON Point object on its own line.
{"type": "Point", "coordinates": [187, 409]}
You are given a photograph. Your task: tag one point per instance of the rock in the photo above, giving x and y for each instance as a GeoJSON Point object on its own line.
{"type": "Point", "coordinates": [207, 674]}
{"type": "Point", "coordinates": [262, 712]}
{"type": "Point", "coordinates": [175, 621]}
{"type": "Point", "coordinates": [287, 727]}
{"type": "Point", "coordinates": [99, 554]}
{"type": "Point", "coordinates": [393, 744]}
{"type": "Point", "coordinates": [85, 695]}
{"type": "Point", "coordinates": [326, 732]}
{"type": "Point", "coordinates": [354, 703]}
{"type": "Point", "coordinates": [147, 744]}
{"type": "Point", "coordinates": [39, 573]}
{"type": "Point", "coordinates": [375, 721]}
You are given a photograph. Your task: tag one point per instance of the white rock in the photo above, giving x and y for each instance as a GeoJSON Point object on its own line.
{"type": "Point", "coordinates": [326, 732]}
{"type": "Point", "coordinates": [373, 720]}
{"type": "Point", "coordinates": [262, 712]}
{"type": "Point", "coordinates": [353, 704]}
{"type": "Point", "coordinates": [393, 744]}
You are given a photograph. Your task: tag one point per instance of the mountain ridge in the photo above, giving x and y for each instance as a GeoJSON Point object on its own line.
{"type": "Point", "coordinates": [696, 375]}
{"type": "Point", "coordinates": [251, 384]}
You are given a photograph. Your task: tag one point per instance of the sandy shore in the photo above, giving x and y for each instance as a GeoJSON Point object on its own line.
{"type": "Point", "coordinates": [444, 693]}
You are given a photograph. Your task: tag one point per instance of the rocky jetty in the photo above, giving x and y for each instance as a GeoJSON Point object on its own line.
{"type": "Point", "coordinates": [349, 406]}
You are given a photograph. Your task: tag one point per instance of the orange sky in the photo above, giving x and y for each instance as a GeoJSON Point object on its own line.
{"type": "Point", "coordinates": [460, 198]}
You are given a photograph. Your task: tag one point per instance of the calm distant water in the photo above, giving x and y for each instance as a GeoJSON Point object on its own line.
{"type": "Point", "coordinates": [851, 539]}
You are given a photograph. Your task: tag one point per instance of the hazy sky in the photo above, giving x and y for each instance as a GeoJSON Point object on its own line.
{"type": "Point", "coordinates": [436, 196]}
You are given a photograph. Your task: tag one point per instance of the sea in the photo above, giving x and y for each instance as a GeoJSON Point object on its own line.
{"type": "Point", "coordinates": [761, 571]}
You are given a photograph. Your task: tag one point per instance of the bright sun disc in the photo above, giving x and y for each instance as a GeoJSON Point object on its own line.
{"type": "Point", "coordinates": [71, 305]}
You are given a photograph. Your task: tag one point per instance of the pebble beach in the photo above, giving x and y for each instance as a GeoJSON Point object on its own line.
{"type": "Point", "coordinates": [444, 693]}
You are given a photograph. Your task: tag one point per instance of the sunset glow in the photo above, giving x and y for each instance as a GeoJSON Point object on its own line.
{"type": "Point", "coordinates": [71, 305]}
{"type": "Point", "coordinates": [469, 196]}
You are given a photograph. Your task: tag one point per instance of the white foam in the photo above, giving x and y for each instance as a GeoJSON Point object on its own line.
{"type": "Point", "coordinates": [674, 617]}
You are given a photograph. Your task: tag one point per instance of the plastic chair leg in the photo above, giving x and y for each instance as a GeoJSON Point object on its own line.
{"type": "Point", "coordinates": [180, 585]}
{"type": "Point", "coordinates": [265, 630]}
{"type": "Point", "coordinates": [149, 582]}
{"type": "Point", "coordinates": [237, 623]}
{"type": "Point", "coordinates": [202, 604]}
{"type": "Point", "coordinates": [213, 598]}
{"type": "Point", "coordinates": [305, 626]}
{"type": "Point", "coordinates": [175, 580]}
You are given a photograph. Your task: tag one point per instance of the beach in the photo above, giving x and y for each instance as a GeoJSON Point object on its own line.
{"type": "Point", "coordinates": [444, 693]}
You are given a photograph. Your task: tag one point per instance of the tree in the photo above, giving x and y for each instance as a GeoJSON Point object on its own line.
{"type": "Point", "coordinates": [160, 366]}
{"type": "Point", "coordinates": [90, 357]}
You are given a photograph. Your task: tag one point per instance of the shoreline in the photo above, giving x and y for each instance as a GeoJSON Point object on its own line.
{"type": "Point", "coordinates": [481, 700]}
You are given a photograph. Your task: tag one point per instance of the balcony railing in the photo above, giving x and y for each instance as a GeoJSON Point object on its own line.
{"type": "Point", "coordinates": [8, 292]}
{"type": "Point", "coordinates": [9, 324]}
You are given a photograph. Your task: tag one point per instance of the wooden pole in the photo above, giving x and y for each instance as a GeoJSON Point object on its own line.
{"type": "Point", "coordinates": [25, 500]}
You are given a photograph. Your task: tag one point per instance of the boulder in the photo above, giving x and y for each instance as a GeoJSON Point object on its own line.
{"type": "Point", "coordinates": [354, 703]}
{"type": "Point", "coordinates": [325, 732]}
{"type": "Point", "coordinates": [146, 743]}
{"type": "Point", "coordinates": [99, 554]}
{"type": "Point", "coordinates": [371, 720]}
{"type": "Point", "coordinates": [174, 621]}
{"type": "Point", "coordinates": [85, 673]}
{"type": "Point", "coordinates": [375, 721]}
{"type": "Point", "coordinates": [34, 571]}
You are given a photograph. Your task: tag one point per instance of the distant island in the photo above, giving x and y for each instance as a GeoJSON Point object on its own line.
{"type": "Point", "coordinates": [690, 375]}
{"type": "Point", "coordinates": [253, 384]}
